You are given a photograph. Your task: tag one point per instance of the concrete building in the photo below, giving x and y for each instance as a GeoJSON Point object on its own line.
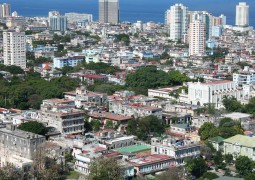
{"type": "Point", "coordinates": [14, 48]}
{"type": "Point", "coordinates": [245, 77]}
{"type": "Point", "coordinates": [61, 115]}
{"type": "Point", "coordinates": [217, 31]}
{"type": "Point", "coordinates": [197, 38]}
{"type": "Point", "coordinates": [205, 18]}
{"type": "Point", "coordinates": [152, 163]}
{"type": "Point", "coordinates": [134, 110]}
{"type": "Point", "coordinates": [240, 145]}
{"type": "Point", "coordinates": [212, 92]}
{"type": "Point", "coordinates": [109, 11]}
{"type": "Point", "coordinates": [177, 18]}
{"type": "Point", "coordinates": [58, 23]}
{"type": "Point", "coordinates": [18, 147]}
{"type": "Point", "coordinates": [67, 61]}
{"type": "Point", "coordinates": [242, 14]}
{"type": "Point", "coordinates": [6, 10]}
{"type": "Point", "coordinates": [86, 99]}
{"type": "Point", "coordinates": [180, 150]}
{"type": "Point", "coordinates": [78, 17]}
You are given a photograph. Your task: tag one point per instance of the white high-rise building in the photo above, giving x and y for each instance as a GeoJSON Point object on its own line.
{"type": "Point", "coordinates": [177, 18]}
{"type": "Point", "coordinates": [204, 17]}
{"type": "Point", "coordinates": [6, 10]}
{"type": "Point", "coordinates": [14, 48]}
{"type": "Point", "coordinates": [197, 38]}
{"type": "Point", "coordinates": [109, 11]}
{"type": "Point", "coordinates": [242, 14]}
{"type": "Point", "coordinates": [58, 23]}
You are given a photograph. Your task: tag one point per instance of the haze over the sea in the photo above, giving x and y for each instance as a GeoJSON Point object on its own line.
{"type": "Point", "coordinates": [130, 10]}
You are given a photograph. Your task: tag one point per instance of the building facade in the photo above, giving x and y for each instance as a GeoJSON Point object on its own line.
{"type": "Point", "coordinates": [61, 115]}
{"type": "Point", "coordinates": [240, 145]}
{"type": "Point", "coordinates": [242, 14]}
{"type": "Point", "coordinates": [6, 10]}
{"type": "Point", "coordinates": [67, 61]}
{"type": "Point", "coordinates": [197, 38]}
{"type": "Point", "coordinates": [14, 48]}
{"type": "Point", "coordinates": [212, 92]}
{"type": "Point", "coordinates": [78, 17]}
{"type": "Point", "coordinates": [109, 11]}
{"type": "Point", "coordinates": [58, 23]}
{"type": "Point", "coordinates": [134, 110]}
{"type": "Point", "coordinates": [177, 18]}
{"type": "Point", "coordinates": [14, 142]}
{"type": "Point", "coordinates": [180, 150]}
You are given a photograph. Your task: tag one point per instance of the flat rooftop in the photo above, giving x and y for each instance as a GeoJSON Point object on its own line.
{"type": "Point", "coordinates": [134, 148]}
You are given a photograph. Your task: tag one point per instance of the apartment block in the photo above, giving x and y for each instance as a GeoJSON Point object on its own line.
{"type": "Point", "coordinates": [18, 147]}
{"type": "Point", "coordinates": [14, 48]}
{"type": "Point", "coordinates": [179, 149]}
{"type": "Point", "coordinates": [67, 61]}
{"type": "Point", "coordinates": [62, 115]}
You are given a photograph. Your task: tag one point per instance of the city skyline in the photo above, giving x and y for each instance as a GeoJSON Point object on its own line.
{"type": "Point", "coordinates": [146, 12]}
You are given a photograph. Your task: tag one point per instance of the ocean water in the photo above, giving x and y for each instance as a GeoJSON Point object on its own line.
{"type": "Point", "coordinates": [130, 10]}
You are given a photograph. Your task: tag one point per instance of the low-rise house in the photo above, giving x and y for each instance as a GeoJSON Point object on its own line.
{"type": "Point", "coordinates": [240, 145]}
{"type": "Point", "coordinates": [237, 116]}
{"type": "Point", "coordinates": [182, 129]}
{"type": "Point", "coordinates": [86, 99]}
{"type": "Point", "coordinates": [67, 61]}
{"type": "Point", "coordinates": [152, 163]}
{"type": "Point", "coordinates": [179, 149]}
{"type": "Point", "coordinates": [134, 110]}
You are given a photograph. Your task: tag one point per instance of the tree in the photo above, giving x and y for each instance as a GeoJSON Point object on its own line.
{"type": "Point", "coordinates": [147, 77]}
{"type": "Point", "coordinates": [148, 127]}
{"type": "Point", "coordinates": [109, 124]}
{"type": "Point", "coordinates": [105, 169]}
{"type": "Point", "coordinates": [177, 78]}
{"type": "Point", "coordinates": [231, 104]}
{"type": "Point", "coordinates": [164, 55]}
{"type": "Point", "coordinates": [10, 172]}
{"type": "Point", "coordinates": [47, 168]}
{"type": "Point", "coordinates": [174, 173]}
{"type": "Point", "coordinates": [244, 165]}
{"type": "Point", "coordinates": [228, 158]}
{"type": "Point", "coordinates": [34, 127]}
{"type": "Point", "coordinates": [88, 126]}
{"type": "Point", "coordinates": [197, 167]}
{"type": "Point", "coordinates": [218, 160]}
{"type": "Point", "coordinates": [132, 126]}
{"type": "Point", "coordinates": [228, 128]}
{"type": "Point", "coordinates": [207, 130]}
{"type": "Point", "coordinates": [95, 125]}
{"type": "Point", "coordinates": [210, 175]}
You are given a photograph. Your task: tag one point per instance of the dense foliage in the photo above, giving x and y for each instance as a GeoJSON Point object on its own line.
{"type": "Point", "coordinates": [11, 69]}
{"type": "Point", "coordinates": [197, 166]}
{"type": "Point", "coordinates": [33, 127]}
{"type": "Point", "coordinates": [30, 91]}
{"type": "Point", "coordinates": [244, 166]}
{"type": "Point", "coordinates": [146, 127]}
{"type": "Point", "coordinates": [105, 169]}
{"type": "Point", "coordinates": [149, 77]}
{"type": "Point", "coordinates": [227, 128]}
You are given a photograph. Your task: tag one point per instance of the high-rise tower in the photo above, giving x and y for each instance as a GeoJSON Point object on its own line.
{"type": "Point", "coordinates": [197, 38]}
{"type": "Point", "coordinates": [109, 11]}
{"type": "Point", "coordinates": [242, 14]}
{"type": "Point", "coordinates": [177, 18]}
{"type": "Point", "coordinates": [14, 48]}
